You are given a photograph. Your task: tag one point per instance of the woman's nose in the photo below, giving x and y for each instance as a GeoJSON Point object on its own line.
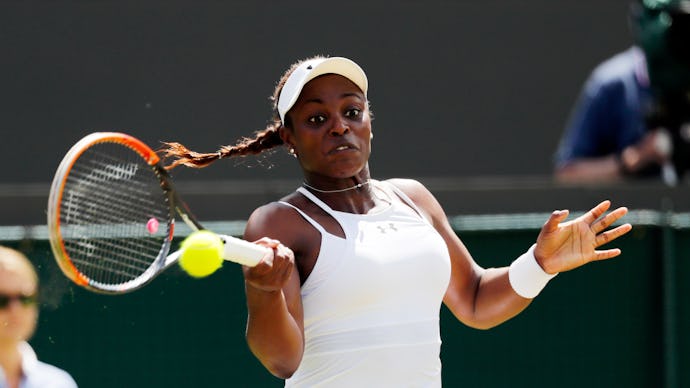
{"type": "Point", "coordinates": [339, 128]}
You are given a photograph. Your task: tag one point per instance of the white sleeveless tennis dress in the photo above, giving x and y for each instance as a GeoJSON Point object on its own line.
{"type": "Point", "coordinates": [372, 301]}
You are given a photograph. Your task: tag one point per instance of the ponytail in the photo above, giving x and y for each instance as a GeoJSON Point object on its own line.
{"type": "Point", "coordinates": [263, 140]}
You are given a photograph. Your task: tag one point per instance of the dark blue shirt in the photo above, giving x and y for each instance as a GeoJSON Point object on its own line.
{"type": "Point", "coordinates": [610, 112]}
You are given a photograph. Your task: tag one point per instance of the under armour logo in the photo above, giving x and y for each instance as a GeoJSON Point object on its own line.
{"type": "Point", "coordinates": [384, 229]}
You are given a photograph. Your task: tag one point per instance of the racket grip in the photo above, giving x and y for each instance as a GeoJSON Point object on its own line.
{"type": "Point", "coordinates": [241, 251]}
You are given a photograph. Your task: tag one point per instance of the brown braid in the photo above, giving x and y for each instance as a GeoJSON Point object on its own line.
{"type": "Point", "coordinates": [263, 140]}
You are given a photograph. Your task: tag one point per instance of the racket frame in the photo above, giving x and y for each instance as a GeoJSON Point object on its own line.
{"type": "Point", "coordinates": [174, 203]}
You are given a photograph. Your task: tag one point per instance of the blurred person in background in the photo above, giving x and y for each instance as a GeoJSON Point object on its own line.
{"type": "Point", "coordinates": [632, 118]}
{"type": "Point", "coordinates": [19, 367]}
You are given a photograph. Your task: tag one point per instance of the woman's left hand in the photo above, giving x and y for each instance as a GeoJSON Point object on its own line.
{"type": "Point", "coordinates": [562, 246]}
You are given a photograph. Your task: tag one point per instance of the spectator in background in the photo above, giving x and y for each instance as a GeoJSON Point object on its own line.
{"type": "Point", "coordinates": [633, 115]}
{"type": "Point", "coordinates": [19, 367]}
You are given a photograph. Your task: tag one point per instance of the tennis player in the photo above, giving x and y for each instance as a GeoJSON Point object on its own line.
{"type": "Point", "coordinates": [360, 267]}
{"type": "Point", "coordinates": [19, 367]}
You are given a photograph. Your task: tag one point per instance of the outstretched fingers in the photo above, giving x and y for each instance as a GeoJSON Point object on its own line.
{"type": "Point", "coordinates": [591, 216]}
{"type": "Point", "coordinates": [554, 220]}
{"type": "Point", "coordinates": [564, 246]}
{"type": "Point", "coordinates": [608, 220]}
{"type": "Point", "coordinates": [606, 254]}
{"type": "Point", "coordinates": [612, 234]}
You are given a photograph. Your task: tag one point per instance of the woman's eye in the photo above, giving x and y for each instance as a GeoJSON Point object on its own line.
{"type": "Point", "coordinates": [352, 113]}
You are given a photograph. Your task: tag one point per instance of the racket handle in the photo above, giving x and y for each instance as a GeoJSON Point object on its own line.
{"type": "Point", "coordinates": [241, 251]}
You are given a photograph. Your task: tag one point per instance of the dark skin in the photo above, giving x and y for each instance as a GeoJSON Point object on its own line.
{"type": "Point", "coordinates": [330, 131]}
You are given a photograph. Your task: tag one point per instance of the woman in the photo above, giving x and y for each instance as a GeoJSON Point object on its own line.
{"type": "Point", "coordinates": [353, 290]}
{"type": "Point", "coordinates": [19, 367]}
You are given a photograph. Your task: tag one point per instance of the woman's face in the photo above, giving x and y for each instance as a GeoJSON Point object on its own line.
{"type": "Point", "coordinates": [17, 319]}
{"type": "Point", "coordinates": [331, 128]}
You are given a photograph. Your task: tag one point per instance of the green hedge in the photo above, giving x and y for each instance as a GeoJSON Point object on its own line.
{"type": "Point", "coordinates": [614, 323]}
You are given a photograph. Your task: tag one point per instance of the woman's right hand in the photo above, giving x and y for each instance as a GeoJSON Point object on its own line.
{"type": "Point", "coordinates": [273, 271]}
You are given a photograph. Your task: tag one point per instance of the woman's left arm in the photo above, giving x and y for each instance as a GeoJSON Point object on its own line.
{"type": "Point", "coordinates": [484, 298]}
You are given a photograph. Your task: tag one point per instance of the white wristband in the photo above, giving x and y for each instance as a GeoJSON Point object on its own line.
{"type": "Point", "coordinates": [526, 275]}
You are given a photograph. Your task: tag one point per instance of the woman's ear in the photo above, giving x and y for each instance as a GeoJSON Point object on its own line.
{"type": "Point", "coordinates": [285, 135]}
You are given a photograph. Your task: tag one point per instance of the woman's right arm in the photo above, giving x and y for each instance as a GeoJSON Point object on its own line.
{"type": "Point", "coordinates": [275, 323]}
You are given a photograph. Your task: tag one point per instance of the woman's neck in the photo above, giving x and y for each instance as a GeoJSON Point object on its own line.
{"type": "Point", "coordinates": [369, 198]}
{"type": "Point", "coordinates": [334, 191]}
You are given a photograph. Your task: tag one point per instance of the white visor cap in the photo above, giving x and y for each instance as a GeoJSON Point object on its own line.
{"type": "Point", "coordinates": [311, 69]}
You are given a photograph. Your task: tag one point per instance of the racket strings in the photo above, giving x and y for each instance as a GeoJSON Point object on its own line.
{"type": "Point", "coordinates": [101, 203]}
{"type": "Point", "coordinates": [109, 200]}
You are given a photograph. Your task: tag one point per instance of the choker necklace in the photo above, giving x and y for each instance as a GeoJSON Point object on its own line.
{"type": "Point", "coordinates": [357, 186]}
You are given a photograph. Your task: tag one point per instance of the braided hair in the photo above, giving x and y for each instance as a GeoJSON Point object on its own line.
{"type": "Point", "coordinates": [263, 140]}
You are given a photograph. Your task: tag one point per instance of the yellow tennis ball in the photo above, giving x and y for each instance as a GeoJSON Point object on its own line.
{"type": "Point", "coordinates": [202, 253]}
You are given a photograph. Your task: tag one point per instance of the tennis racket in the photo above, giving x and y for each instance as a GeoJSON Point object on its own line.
{"type": "Point", "coordinates": [111, 215]}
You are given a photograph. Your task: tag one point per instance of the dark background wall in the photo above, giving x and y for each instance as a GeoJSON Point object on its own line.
{"type": "Point", "coordinates": [470, 97]}
{"type": "Point", "coordinates": [473, 88]}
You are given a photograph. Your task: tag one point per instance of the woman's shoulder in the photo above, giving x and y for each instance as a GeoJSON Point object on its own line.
{"type": "Point", "coordinates": [410, 187]}
{"type": "Point", "coordinates": [275, 210]}
{"type": "Point", "coordinates": [277, 218]}
{"type": "Point", "coordinates": [422, 197]}
{"type": "Point", "coordinates": [280, 220]}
